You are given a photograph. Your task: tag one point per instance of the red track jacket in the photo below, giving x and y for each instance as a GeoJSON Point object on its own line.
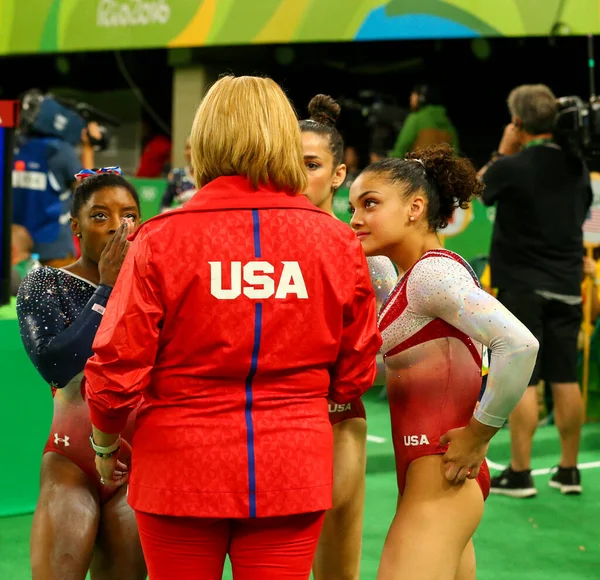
{"type": "Point", "coordinates": [235, 317]}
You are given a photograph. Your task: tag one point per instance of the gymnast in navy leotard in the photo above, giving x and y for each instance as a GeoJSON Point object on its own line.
{"type": "Point", "coordinates": [79, 524]}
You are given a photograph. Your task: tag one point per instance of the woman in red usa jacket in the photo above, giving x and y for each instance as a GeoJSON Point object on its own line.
{"type": "Point", "coordinates": [235, 317]}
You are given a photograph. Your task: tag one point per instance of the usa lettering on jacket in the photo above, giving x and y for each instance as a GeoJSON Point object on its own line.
{"type": "Point", "coordinates": [415, 440]}
{"type": "Point", "coordinates": [256, 280]}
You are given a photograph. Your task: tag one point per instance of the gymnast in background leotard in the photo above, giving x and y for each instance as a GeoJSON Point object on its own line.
{"type": "Point", "coordinates": [79, 524]}
{"type": "Point", "coordinates": [339, 550]}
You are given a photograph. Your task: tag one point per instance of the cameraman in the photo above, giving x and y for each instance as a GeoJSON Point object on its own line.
{"type": "Point", "coordinates": [542, 194]}
{"type": "Point", "coordinates": [45, 163]}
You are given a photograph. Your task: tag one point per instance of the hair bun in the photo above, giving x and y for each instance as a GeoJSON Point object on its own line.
{"type": "Point", "coordinates": [454, 177]}
{"type": "Point", "coordinates": [323, 109]}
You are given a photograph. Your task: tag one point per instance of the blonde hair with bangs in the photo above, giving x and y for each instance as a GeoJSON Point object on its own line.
{"type": "Point", "coordinates": [246, 126]}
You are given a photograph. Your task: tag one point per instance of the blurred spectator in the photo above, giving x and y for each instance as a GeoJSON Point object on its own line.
{"type": "Point", "coordinates": [156, 153]}
{"type": "Point", "coordinates": [21, 245]}
{"type": "Point", "coordinates": [181, 186]}
{"type": "Point", "coordinates": [428, 124]}
{"type": "Point", "coordinates": [377, 155]}
{"type": "Point", "coordinates": [382, 139]}
{"type": "Point", "coordinates": [45, 164]}
{"type": "Point", "coordinates": [352, 162]}
{"type": "Point", "coordinates": [591, 273]}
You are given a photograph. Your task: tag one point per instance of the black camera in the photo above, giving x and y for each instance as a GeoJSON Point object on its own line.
{"type": "Point", "coordinates": [92, 114]}
{"type": "Point", "coordinates": [53, 116]}
{"type": "Point", "coordinates": [377, 109]}
{"type": "Point", "coordinates": [577, 126]}
{"type": "Point", "coordinates": [382, 116]}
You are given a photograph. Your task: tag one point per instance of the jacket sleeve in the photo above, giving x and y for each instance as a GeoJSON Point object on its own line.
{"type": "Point", "coordinates": [355, 369]}
{"type": "Point", "coordinates": [65, 163]}
{"type": "Point", "coordinates": [127, 341]}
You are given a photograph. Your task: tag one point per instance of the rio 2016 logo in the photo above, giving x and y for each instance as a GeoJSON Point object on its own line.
{"type": "Point", "coordinates": [118, 13]}
{"type": "Point", "coordinates": [458, 223]}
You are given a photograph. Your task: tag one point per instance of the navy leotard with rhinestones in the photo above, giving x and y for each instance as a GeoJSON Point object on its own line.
{"type": "Point", "coordinates": [59, 314]}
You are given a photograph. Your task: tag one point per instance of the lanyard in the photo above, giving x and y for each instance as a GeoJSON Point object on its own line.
{"type": "Point", "coordinates": [542, 141]}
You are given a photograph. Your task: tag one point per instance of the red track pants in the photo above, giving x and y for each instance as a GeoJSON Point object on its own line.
{"type": "Point", "coordinates": [277, 548]}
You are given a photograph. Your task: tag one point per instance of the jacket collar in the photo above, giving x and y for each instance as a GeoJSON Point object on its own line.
{"type": "Point", "coordinates": [236, 192]}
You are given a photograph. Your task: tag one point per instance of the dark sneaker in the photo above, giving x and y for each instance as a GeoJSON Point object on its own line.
{"type": "Point", "coordinates": [511, 483]}
{"type": "Point", "coordinates": [567, 480]}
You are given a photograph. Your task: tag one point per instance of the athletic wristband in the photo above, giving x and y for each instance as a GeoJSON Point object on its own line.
{"type": "Point", "coordinates": [107, 455]}
{"type": "Point", "coordinates": [105, 452]}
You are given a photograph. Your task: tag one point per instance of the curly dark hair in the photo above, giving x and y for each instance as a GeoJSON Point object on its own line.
{"type": "Point", "coordinates": [324, 112]}
{"type": "Point", "coordinates": [90, 185]}
{"type": "Point", "coordinates": [448, 181]}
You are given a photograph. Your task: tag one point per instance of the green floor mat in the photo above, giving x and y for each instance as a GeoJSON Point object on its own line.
{"type": "Point", "coordinates": [550, 537]}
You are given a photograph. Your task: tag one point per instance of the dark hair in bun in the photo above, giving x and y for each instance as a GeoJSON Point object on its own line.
{"type": "Point", "coordinates": [323, 109]}
{"type": "Point", "coordinates": [448, 181]}
{"type": "Point", "coordinates": [324, 113]}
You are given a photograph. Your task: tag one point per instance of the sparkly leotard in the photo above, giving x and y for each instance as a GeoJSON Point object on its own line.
{"type": "Point", "coordinates": [434, 326]}
{"type": "Point", "coordinates": [383, 278]}
{"type": "Point", "coordinates": [59, 314]}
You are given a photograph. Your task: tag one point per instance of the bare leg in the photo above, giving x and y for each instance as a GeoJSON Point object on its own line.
{"type": "Point", "coordinates": [467, 567]}
{"type": "Point", "coordinates": [568, 415]}
{"type": "Point", "coordinates": [119, 553]}
{"type": "Point", "coordinates": [434, 523]}
{"type": "Point", "coordinates": [65, 522]}
{"type": "Point", "coordinates": [523, 423]}
{"type": "Point", "coordinates": [339, 550]}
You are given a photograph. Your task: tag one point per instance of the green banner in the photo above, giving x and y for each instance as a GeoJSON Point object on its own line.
{"type": "Point", "coordinates": [86, 25]}
{"type": "Point", "coordinates": [150, 192]}
{"type": "Point", "coordinates": [25, 415]}
{"type": "Point", "coordinates": [470, 232]}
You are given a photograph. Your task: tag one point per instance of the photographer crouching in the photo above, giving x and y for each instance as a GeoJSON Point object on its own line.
{"type": "Point", "coordinates": [542, 194]}
{"type": "Point", "coordinates": [45, 164]}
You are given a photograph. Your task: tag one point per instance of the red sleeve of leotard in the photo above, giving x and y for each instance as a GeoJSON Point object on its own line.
{"type": "Point", "coordinates": [356, 368]}
{"type": "Point", "coordinates": [126, 343]}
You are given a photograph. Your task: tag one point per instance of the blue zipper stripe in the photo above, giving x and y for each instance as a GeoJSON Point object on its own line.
{"type": "Point", "coordinates": [256, 228]}
{"type": "Point", "coordinates": [250, 378]}
{"type": "Point", "coordinates": [249, 400]}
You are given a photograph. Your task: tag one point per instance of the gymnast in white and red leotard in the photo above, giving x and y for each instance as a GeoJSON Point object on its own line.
{"type": "Point", "coordinates": [437, 325]}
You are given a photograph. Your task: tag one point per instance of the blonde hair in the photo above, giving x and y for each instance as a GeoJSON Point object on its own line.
{"type": "Point", "coordinates": [246, 126]}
